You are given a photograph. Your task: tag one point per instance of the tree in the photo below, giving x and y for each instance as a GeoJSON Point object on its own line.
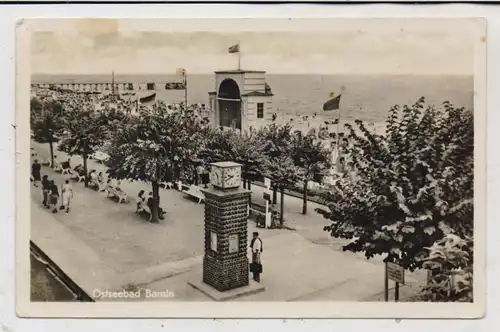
{"type": "Point", "coordinates": [199, 133]}
{"type": "Point", "coordinates": [146, 147]}
{"type": "Point", "coordinates": [47, 123]}
{"type": "Point", "coordinates": [413, 185]}
{"type": "Point", "coordinates": [281, 170]}
{"type": "Point", "coordinates": [278, 140]}
{"type": "Point", "coordinates": [279, 165]}
{"type": "Point", "coordinates": [246, 149]}
{"type": "Point", "coordinates": [312, 159]}
{"type": "Point", "coordinates": [86, 131]}
{"type": "Point", "coordinates": [36, 107]}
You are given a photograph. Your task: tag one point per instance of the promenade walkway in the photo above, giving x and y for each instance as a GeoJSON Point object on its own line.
{"type": "Point", "coordinates": [104, 245]}
{"type": "Point", "coordinates": [310, 225]}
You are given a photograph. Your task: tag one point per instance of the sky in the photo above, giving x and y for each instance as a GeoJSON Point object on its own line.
{"type": "Point", "coordinates": [355, 46]}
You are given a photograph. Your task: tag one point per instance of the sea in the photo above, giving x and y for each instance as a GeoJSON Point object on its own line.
{"type": "Point", "coordinates": [364, 97]}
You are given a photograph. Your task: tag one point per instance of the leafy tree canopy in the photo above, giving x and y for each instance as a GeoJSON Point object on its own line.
{"type": "Point", "coordinates": [46, 120]}
{"type": "Point", "coordinates": [412, 186]}
{"type": "Point", "coordinates": [310, 156]}
{"type": "Point", "coordinates": [85, 131]}
{"type": "Point", "coordinates": [246, 148]}
{"type": "Point", "coordinates": [149, 145]}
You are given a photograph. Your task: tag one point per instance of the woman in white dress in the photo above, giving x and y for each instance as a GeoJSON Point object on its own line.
{"type": "Point", "coordinates": [67, 196]}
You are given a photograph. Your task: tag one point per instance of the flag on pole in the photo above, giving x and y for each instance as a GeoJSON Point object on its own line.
{"type": "Point", "coordinates": [234, 49]}
{"type": "Point", "coordinates": [180, 72]}
{"type": "Point", "coordinates": [332, 104]}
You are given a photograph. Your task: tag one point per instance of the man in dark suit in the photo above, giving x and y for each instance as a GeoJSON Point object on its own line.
{"type": "Point", "coordinates": [256, 265]}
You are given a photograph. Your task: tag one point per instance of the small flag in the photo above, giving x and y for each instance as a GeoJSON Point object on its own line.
{"type": "Point", "coordinates": [234, 48]}
{"type": "Point", "coordinates": [180, 72]}
{"type": "Point", "coordinates": [332, 104]}
{"type": "Point", "coordinates": [175, 86]}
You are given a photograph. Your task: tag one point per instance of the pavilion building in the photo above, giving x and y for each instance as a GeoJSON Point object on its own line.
{"type": "Point", "coordinates": [242, 100]}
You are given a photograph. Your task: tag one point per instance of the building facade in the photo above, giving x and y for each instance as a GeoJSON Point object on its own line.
{"type": "Point", "coordinates": [120, 87]}
{"type": "Point", "coordinates": [242, 100]}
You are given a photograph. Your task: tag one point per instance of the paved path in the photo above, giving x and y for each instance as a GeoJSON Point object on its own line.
{"type": "Point", "coordinates": [310, 225]}
{"type": "Point", "coordinates": [292, 206]}
{"type": "Point", "coordinates": [107, 246]}
{"type": "Point", "coordinates": [297, 270]}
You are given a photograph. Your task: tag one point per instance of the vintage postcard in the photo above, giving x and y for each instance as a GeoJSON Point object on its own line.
{"type": "Point", "coordinates": [251, 168]}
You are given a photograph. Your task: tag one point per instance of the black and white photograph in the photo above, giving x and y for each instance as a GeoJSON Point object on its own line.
{"type": "Point", "coordinates": [286, 163]}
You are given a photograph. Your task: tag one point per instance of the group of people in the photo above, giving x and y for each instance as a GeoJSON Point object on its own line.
{"type": "Point", "coordinates": [51, 199]}
{"type": "Point", "coordinates": [96, 179]}
{"type": "Point", "coordinates": [50, 190]}
{"type": "Point", "coordinates": [148, 200]}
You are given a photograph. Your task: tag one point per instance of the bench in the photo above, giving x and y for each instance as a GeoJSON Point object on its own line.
{"type": "Point", "coordinates": [64, 168]}
{"type": "Point", "coordinates": [76, 175]}
{"type": "Point", "coordinates": [120, 194]}
{"type": "Point", "coordinates": [195, 191]}
{"type": "Point", "coordinates": [167, 185]}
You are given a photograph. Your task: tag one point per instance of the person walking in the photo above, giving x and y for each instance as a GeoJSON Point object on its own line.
{"type": "Point", "coordinates": [35, 172]}
{"type": "Point", "coordinates": [45, 190]}
{"type": "Point", "coordinates": [54, 196]}
{"type": "Point", "coordinates": [67, 196]}
{"type": "Point", "coordinates": [257, 248]}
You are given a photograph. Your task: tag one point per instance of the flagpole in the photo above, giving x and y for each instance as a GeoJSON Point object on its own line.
{"type": "Point", "coordinates": [239, 56]}
{"type": "Point", "coordinates": [338, 130]}
{"type": "Point", "coordinates": [113, 85]}
{"type": "Point", "coordinates": [185, 91]}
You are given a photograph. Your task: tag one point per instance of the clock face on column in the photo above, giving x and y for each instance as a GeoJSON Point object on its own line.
{"type": "Point", "coordinates": [225, 175]}
{"type": "Point", "coordinates": [232, 177]}
{"type": "Point", "coordinates": [216, 177]}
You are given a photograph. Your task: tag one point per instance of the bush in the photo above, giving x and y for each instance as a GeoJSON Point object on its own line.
{"type": "Point", "coordinates": [450, 263]}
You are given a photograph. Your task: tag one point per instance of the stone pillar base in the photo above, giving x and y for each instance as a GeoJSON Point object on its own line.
{"type": "Point", "coordinates": [252, 288]}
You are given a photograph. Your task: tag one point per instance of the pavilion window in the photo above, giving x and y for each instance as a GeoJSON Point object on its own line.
{"type": "Point", "coordinates": [260, 110]}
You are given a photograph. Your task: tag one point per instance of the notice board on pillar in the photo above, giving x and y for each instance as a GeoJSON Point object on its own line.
{"type": "Point", "coordinates": [234, 243]}
{"type": "Point", "coordinates": [213, 241]}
